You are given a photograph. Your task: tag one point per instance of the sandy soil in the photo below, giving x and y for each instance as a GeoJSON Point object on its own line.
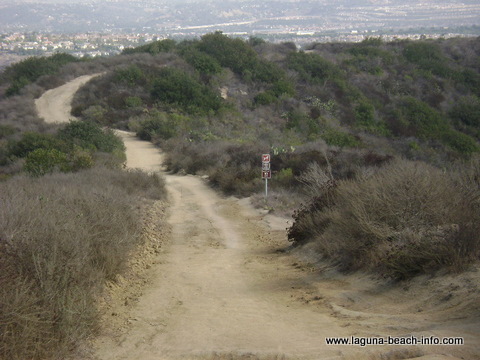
{"type": "Point", "coordinates": [221, 286]}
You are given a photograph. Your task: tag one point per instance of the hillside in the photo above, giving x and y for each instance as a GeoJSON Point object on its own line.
{"type": "Point", "coordinates": [334, 114]}
{"type": "Point", "coordinates": [375, 151]}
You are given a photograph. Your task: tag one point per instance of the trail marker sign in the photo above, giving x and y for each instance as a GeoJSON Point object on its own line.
{"type": "Point", "coordinates": [266, 172]}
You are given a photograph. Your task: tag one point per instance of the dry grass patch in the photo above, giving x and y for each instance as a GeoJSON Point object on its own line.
{"type": "Point", "coordinates": [61, 237]}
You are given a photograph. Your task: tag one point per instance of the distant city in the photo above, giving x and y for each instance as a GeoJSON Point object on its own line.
{"type": "Point", "coordinates": [101, 28]}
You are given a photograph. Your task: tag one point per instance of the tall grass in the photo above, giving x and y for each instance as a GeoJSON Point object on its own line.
{"type": "Point", "coordinates": [61, 237]}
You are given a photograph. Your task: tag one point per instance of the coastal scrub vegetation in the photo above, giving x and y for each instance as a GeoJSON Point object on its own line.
{"type": "Point", "coordinates": [375, 150]}
{"type": "Point", "coordinates": [75, 146]}
{"type": "Point", "coordinates": [215, 103]}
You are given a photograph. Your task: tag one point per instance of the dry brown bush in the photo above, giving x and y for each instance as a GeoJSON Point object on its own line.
{"type": "Point", "coordinates": [233, 167]}
{"type": "Point", "coordinates": [20, 113]}
{"type": "Point", "coordinates": [405, 219]}
{"type": "Point", "coordinates": [61, 237]}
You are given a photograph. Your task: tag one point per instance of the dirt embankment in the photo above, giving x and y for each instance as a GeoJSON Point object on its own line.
{"type": "Point", "coordinates": [216, 284]}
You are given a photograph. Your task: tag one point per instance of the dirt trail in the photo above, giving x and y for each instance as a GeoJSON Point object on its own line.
{"type": "Point", "coordinates": [215, 289]}
{"type": "Point", "coordinates": [221, 289]}
{"type": "Point", "coordinates": [54, 105]}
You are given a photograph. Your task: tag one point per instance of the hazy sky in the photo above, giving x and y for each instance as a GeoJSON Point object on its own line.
{"type": "Point", "coordinates": [258, 15]}
{"type": "Point", "coordinates": [330, 2]}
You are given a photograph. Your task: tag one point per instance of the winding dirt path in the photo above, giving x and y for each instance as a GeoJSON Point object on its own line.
{"type": "Point", "coordinates": [54, 105]}
{"type": "Point", "coordinates": [221, 289]}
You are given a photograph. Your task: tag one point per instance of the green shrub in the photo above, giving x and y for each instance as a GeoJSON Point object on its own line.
{"type": "Point", "coordinates": [461, 143]}
{"type": "Point", "coordinates": [16, 86]}
{"type": "Point", "coordinates": [239, 56]}
{"type": "Point", "coordinates": [339, 138]}
{"type": "Point", "coordinates": [283, 87]}
{"type": "Point", "coordinates": [279, 88]}
{"type": "Point", "coordinates": [202, 62]}
{"type": "Point", "coordinates": [133, 102]}
{"type": "Point", "coordinates": [30, 69]}
{"type": "Point", "coordinates": [70, 150]}
{"type": "Point", "coordinates": [255, 41]}
{"type": "Point", "coordinates": [153, 48]}
{"type": "Point", "coordinates": [31, 141]}
{"type": "Point", "coordinates": [95, 113]}
{"type": "Point", "coordinates": [470, 79]}
{"type": "Point", "coordinates": [372, 41]}
{"type": "Point", "coordinates": [365, 114]}
{"type": "Point", "coordinates": [312, 67]}
{"type": "Point", "coordinates": [416, 118]}
{"type": "Point", "coordinates": [265, 98]}
{"type": "Point", "coordinates": [157, 125]}
{"type": "Point", "coordinates": [302, 124]}
{"type": "Point", "coordinates": [370, 59]}
{"type": "Point", "coordinates": [131, 75]}
{"type": "Point", "coordinates": [428, 56]}
{"type": "Point", "coordinates": [177, 88]}
{"type": "Point", "coordinates": [465, 115]}
{"type": "Point", "coordinates": [365, 119]}
{"type": "Point", "coordinates": [43, 161]}
{"type": "Point", "coordinates": [265, 72]}
{"type": "Point", "coordinates": [284, 177]}
{"type": "Point", "coordinates": [89, 135]}
{"type": "Point", "coordinates": [233, 53]}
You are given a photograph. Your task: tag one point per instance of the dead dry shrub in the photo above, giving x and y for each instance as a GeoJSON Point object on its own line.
{"type": "Point", "coordinates": [61, 237]}
{"type": "Point", "coordinates": [407, 218]}
{"type": "Point", "coordinates": [312, 219]}
{"type": "Point", "coordinates": [137, 182]}
{"type": "Point", "coordinates": [232, 167]}
{"type": "Point", "coordinates": [466, 179]}
{"type": "Point", "coordinates": [194, 157]}
{"type": "Point", "coordinates": [19, 112]}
